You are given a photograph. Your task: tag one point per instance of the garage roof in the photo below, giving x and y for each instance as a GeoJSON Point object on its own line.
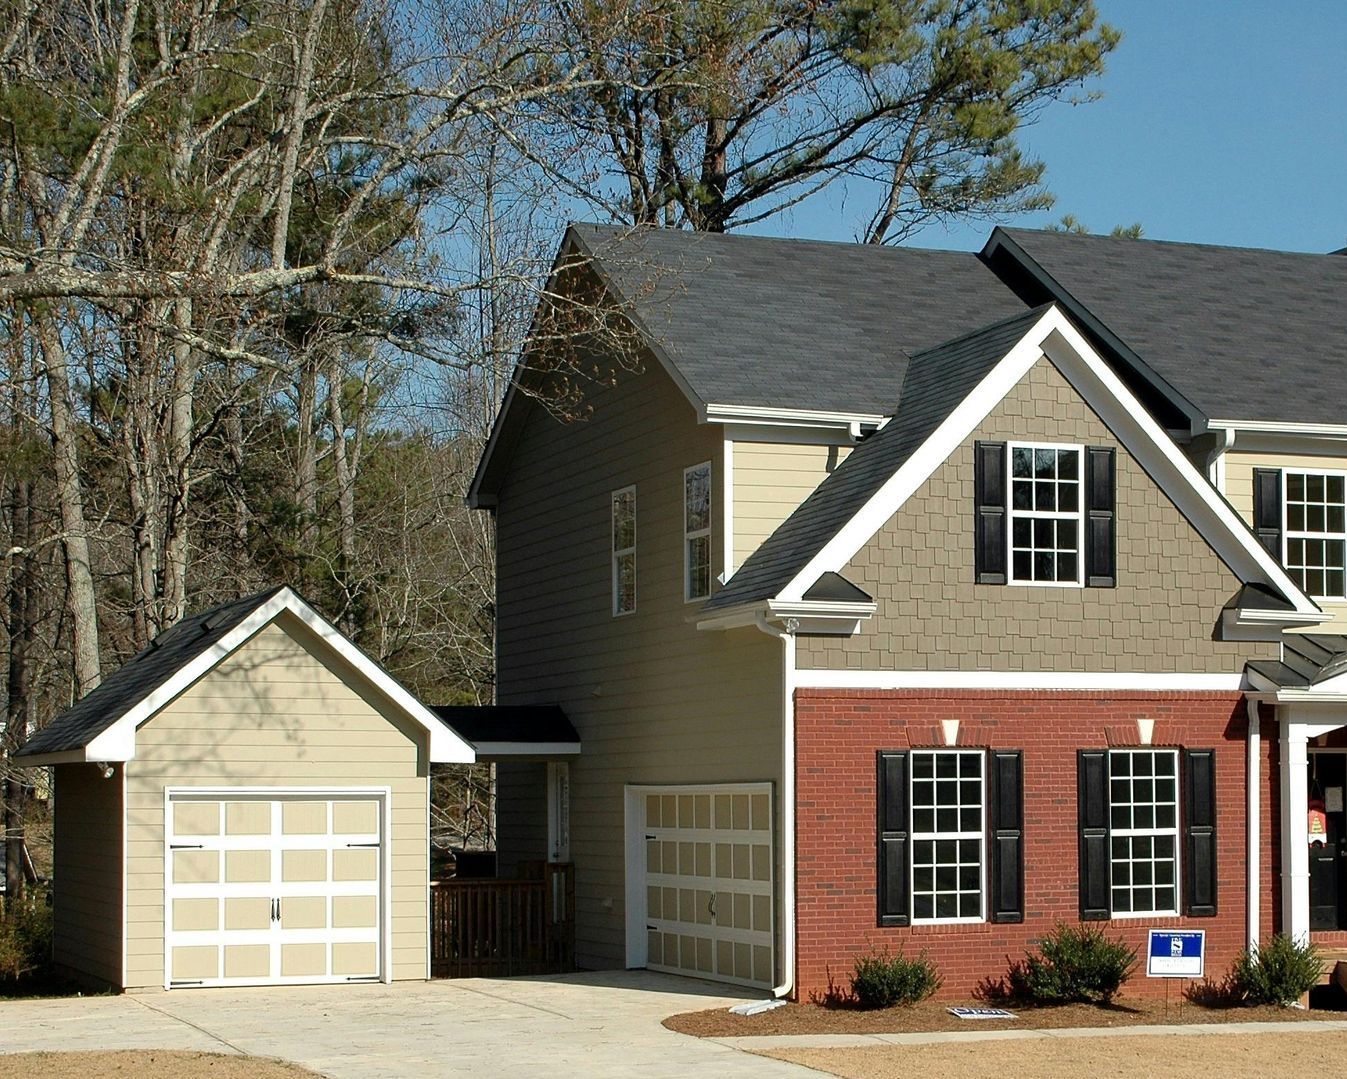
{"type": "Point", "coordinates": [536, 730]}
{"type": "Point", "coordinates": [101, 725]}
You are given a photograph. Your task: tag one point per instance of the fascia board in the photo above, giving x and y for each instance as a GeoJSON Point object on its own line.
{"type": "Point", "coordinates": [899, 487]}
{"type": "Point", "coordinates": [47, 760]}
{"type": "Point", "coordinates": [494, 750]}
{"type": "Point", "coordinates": [1335, 431]}
{"type": "Point", "coordinates": [117, 743]}
{"type": "Point", "coordinates": [789, 417]}
{"type": "Point", "coordinates": [1001, 241]}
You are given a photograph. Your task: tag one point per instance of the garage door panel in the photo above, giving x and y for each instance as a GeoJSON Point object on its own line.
{"type": "Point", "coordinates": [709, 883]}
{"type": "Point", "coordinates": [256, 900]}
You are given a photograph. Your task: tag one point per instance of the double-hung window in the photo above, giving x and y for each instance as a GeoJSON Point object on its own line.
{"type": "Point", "coordinates": [1147, 832]}
{"type": "Point", "coordinates": [1316, 532]}
{"type": "Point", "coordinates": [1144, 831]}
{"type": "Point", "coordinates": [697, 532]}
{"type": "Point", "coordinates": [1045, 514]}
{"type": "Point", "coordinates": [948, 835]}
{"type": "Point", "coordinates": [624, 550]}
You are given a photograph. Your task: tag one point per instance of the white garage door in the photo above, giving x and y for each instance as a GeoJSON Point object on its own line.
{"type": "Point", "coordinates": [270, 890]}
{"type": "Point", "coordinates": [708, 877]}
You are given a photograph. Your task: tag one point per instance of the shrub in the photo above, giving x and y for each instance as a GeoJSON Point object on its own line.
{"type": "Point", "coordinates": [1073, 965]}
{"type": "Point", "coordinates": [1280, 972]}
{"type": "Point", "coordinates": [25, 939]}
{"type": "Point", "coordinates": [880, 980]}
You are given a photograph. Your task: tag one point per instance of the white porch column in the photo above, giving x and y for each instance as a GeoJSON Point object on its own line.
{"type": "Point", "coordinates": [1295, 832]}
{"type": "Point", "coordinates": [1297, 729]}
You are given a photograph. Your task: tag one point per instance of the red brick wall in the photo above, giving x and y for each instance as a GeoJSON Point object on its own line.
{"type": "Point", "coordinates": [837, 735]}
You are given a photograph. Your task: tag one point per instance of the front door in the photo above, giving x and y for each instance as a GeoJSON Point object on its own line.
{"type": "Point", "coordinates": [1328, 849]}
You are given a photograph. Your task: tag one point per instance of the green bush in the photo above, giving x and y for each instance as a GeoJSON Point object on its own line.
{"type": "Point", "coordinates": [25, 940]}
{"type": "Point", "coordinates": [881, 980]}
{"type": "Point", "coordinates": [1280, 972]}
{"type": "Point", "coordinates": [1073, 965]}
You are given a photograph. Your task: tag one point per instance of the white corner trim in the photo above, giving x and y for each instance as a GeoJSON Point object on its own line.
{"type": "Point", "coordinates": [1018, 680]}
{"type": "Point", "coordinates": [118, 742]}
{"type": "Point", "coordinates": [1055, 337]}
{"type": "Point", "coordinates": [727, 566]}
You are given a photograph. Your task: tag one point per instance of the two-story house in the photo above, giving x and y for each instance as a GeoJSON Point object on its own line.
{"type": "Point", "coordinates": [920, 599]}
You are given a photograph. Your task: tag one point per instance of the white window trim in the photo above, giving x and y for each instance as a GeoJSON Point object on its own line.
{"type": "Point", "coordinates": [689, 535]}
{"type": "Point", "coordinates": [980, 836]}
{"type": "Point", "coordinates": [1286, 531]}
{"type": "Point", "coordinates": [1176, 831]}
{"type": "Point", "coordinates": [1012, 514]}
{"type": "Point", "coordinates": [616, 553]}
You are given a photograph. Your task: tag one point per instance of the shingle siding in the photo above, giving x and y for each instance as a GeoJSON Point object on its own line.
{"type": "Point", "coordinates": [932, 616]}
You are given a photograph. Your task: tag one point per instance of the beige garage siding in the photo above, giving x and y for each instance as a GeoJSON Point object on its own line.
{"type": "Point", "coordinates": [655, 700]}
{"type": "Point", "coordinates": [274, 714]}
{"type": "Point", "coordinates": [87, 912]}
{"type": "Point", "coordinates": [1239, 490]}
{"type": "Point", "coordinates": [771, 479]}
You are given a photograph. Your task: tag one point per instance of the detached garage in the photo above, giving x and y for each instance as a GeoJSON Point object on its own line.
{"type": "Point", "coordinates": [246, 802]}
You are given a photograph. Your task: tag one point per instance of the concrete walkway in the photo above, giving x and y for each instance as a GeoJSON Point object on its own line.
{"type": "Point", "coordinates": [573, 1025]}
{"type": "Point", "coordinates": [945, 1037]}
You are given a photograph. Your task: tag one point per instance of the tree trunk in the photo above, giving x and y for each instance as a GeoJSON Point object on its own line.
{"type": "Point", "coordinates": [22, 617]}
{"type": "Point", "coordinates": [70, 495]}
{"type": "Point", "coordinates": [344, 471]}
{"type": "Point", "coordinates": [173, 601]}
{"type": "Point", "coordinates": [306, 467]}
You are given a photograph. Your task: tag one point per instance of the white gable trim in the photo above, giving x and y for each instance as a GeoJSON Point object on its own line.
{"type": "Point", "coordinates": [1054, 337]}
{"type": "Point", "coordinates": [118, 742]}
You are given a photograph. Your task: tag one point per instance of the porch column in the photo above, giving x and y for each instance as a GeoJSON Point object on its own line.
{"type": "Point", "coordinates": [1295, 832]}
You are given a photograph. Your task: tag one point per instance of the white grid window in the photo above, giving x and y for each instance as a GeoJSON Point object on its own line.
{"type": "Point", "coordinates": [1316, 532]}
{"type": "Point", "coordinates": [697, 532]}
{"type": "Point", "coordinates": [1144, 831]}
{"type": "Point", "coordinates": [948, 827]}
{"type": "Point", "coordinates": [624, 551]}
{"type": "Point", "coordinates": [1045, 514]}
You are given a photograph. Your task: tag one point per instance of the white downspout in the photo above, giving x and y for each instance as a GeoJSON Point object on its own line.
{"type": "Point", "coordinates": [787, 919]}
{"type": "Point", "coordinates": [1253, 858]}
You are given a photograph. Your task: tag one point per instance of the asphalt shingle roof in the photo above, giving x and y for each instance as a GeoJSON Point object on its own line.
{"type": "Point", "coordinates": [802, 324]}
{"type": "Point", "coordinates": [937, 381]}
{"type": "Point", "coordinates": [1241, 333]}
{"type": "Point", "coordinates": [140, 676]}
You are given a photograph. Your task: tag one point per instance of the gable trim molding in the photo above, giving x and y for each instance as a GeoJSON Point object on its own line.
{"type": "Point", "coordinates": [118, 742]}
{"type": "Point", "coordinates": [1022, 680]}
{"type": "Point", "coordinates": [1054, 337]}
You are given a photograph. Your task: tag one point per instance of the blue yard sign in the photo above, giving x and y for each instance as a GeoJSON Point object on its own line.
{"type": "Point", "coordinates": [1176, 953]}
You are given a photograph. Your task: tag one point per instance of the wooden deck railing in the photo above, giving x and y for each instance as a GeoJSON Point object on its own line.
{"type": "Point", "coordinates": [499, 928]}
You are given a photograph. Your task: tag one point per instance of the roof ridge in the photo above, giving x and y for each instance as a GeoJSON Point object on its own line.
{"type": "Point", "coordinates": [1031, 314]}
{"type": "Point", "coordinates": [1087, 237]}
{"type": "Point", "coordinates": [696, 235]}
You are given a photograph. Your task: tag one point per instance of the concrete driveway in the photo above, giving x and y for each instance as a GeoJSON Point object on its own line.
{"type": "Point", "coordinates": [605, 1024]}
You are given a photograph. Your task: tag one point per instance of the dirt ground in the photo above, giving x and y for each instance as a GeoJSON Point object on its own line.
{"type": "Point", "coordinates": [930, 1016]}
{"type": "Point", "coordinates": [145, 1064]}
{"type": "Point", "coordinates": [1171, 1056]}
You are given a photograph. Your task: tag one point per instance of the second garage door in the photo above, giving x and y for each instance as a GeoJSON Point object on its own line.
{"type": "Point", "coordinates": [708, 875]}
{"type": "Point", "coordinates": [266, 889]}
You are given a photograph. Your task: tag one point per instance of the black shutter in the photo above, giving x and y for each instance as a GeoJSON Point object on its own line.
{"type": "Point", "coordinates": [1267, 509]}
{"type": "Point", "coordinates": [1092, 794]}
{"type": "Point", "coordinates": [1007, 828]}
{"type": "Point", "coordinates": [1100, 518]}
{"type": "Point", "coordinates": [989, 496]}
{"type": "Point", "coordinates": [1199, 833]}
{"type": "Point", "coordinates": [891, 825]}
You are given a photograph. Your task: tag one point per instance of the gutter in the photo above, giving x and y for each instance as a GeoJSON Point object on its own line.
{"type": "Point", "coordinates": [786, 922]}
{"type": "Point", "coordinates": [1253, 824]}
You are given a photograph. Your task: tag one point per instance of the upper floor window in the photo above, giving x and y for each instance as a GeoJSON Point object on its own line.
{"type": "Point", "coordinates": [1315, 552]}
{"type": "Point", "coordinates": [697, 532]}
{"type": "Point", "coordinates": [1045, 514]}
{"type": "Point", "coordinates": [624, 550]}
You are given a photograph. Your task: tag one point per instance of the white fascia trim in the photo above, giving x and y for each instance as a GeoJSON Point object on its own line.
{"type": "Point", "coordinates": [1018, 680]}
{"type": "Point", "coordinates": [527, 749]}
{"type": "Point", "coordinates": [1055, 337]}
{"type": "Point", "coordinates": [1320, 430]}
{"type": "Point", "coordinates": [788, 417]}
{"type": "Point", "coordinates": [1236, 616]}
{"type": "Point", "coordinates": [794, 436]}
{"type": "Point", "coordinates": [819, 608]}
{"type": "Point", "coordinates": [118, 742]}
{"type": "Point", "coordinates": [47, 760]}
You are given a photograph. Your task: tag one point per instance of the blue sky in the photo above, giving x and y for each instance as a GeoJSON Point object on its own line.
{"type": "Point", "coordinates": [1222, 121]}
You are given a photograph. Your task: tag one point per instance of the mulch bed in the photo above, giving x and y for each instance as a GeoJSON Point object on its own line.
{"type": "Point", "coordinates": [931, 1016]}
